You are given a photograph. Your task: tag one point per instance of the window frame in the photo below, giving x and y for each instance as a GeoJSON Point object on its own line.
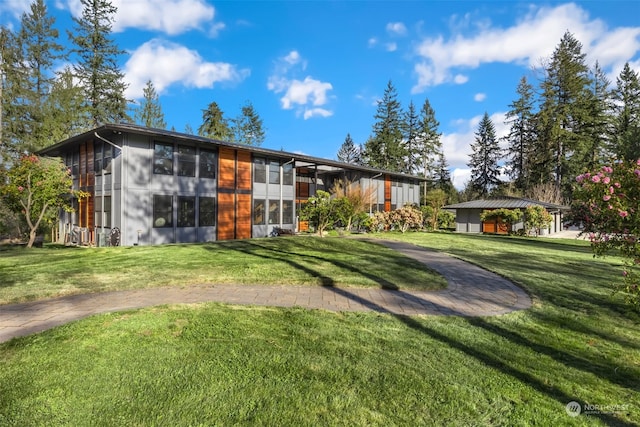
{"type": "Point", "coordinates": [274, 172]}
{"type": "Point", "coordinates": [287, 174]}
{"type": "Point", "coordinates": [259, 170]}
{"type": "Point", "coordinates": [186, 211]}
{"type": "Point", "coordinates": [263, 212]}
{"type": "Point", "coordinates": [207, 158]}
{"type": "Point", "coordinates": [203, 214]}
{"type": "Point", "coordinates": [186, 160]}
{"type": "Point", "coordinates": [287, 211]}
{"type": "Point", "coordinates": [159, 165]}
{"type": "Point", "coordinates": [164, 213]}
{"type": "Point", "coordinates": [274, 212]}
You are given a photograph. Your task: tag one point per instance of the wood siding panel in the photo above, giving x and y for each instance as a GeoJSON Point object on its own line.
{"type": "Point", "coordinates": [226, 216]}
{"type": "Point", "coordinates": [243, 218]}
{"type": "Point", "coordinates": [387, 193]}
{"type": "Point", "coordinates": [244, 170]}
{"type": "Point", "coordinates": [227, 167]}
{"type": "Point", "coordinates": [302, 190]}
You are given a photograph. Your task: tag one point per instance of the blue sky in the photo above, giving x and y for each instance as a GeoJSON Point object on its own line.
{"type": "Point", "coordinates": [314, 70]}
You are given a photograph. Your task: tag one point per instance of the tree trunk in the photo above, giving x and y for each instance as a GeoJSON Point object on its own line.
{"type": "Point", "coordinates": [32, 238]}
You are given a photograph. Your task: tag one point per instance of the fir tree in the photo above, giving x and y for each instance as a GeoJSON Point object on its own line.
{"type": "Point", "coordinates": [97, 67]}
{"type": "Point", "coordinates": [188, 129]}
{"type": "Point", "coordinates": [247, 128]}
{"type": "Point", "coordinates": [150, 113]}
{"type": "Point", "coordinates": [349, 152]}
{"type": "Point", "coordinates": [13, 106]}
{"type": "Point", "coordinates": [384, 149]}
{"type": "Point", "coordinates": [412, 138]}
{"type": "Point", "coordinates": [564, 110]}
{"type": "Point", "coordinates": [214, 124]}
{"type": "Point", "coordinates": [65, 112]}
{"type": "Point", "coordinates": [429, 145]}
{"type": "Point", "coordinates": [484, 159]}
{"type": "Point", "coordinates": [598, 121]}
{"type": "Point", "coordinates": [626, 121]}
{"type": "Point", "coordinates": [41, 50]}
{"type": "Point", "coordinates": [521, 137]}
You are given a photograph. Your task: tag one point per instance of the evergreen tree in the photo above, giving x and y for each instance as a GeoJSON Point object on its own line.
{"type": "Point", "coordinates": [442, 177]}
{"type": "Point", "coordinates": [38, 40]}
{"type": "Point", "coordinates": [626, 120]}
{"type": "Point", "coordinates": [214, 125]}
{"type": "Point", "coordinates": [564, 111]}
{"type": "Point", "coordinates": [598, 121]}
{"type": "Point", "coordinates": [349, 152]}
{"type": "Point", "coordinates": [385, 149]}
{"type": "Point", "coordinates": [97, 67]}
{"type": "Point", "coordinates": [521, 137]}
{"type": "Point", "coordinates": [247, 127]}
{"type": "Point", "coordinates": [412, 138]}
{"type": "Point", "coordinates": [65, 112]}
{"type": "Point", "coordinates": [188, 129]}
{"type": "Point", "coordinates": [484, 159]}
{"type": "Point", "coordinates": [429, 145]}
{"type": "Point", "coordinates": [13, 83]}
{"type": "Point", "coordinates": [150, 113]}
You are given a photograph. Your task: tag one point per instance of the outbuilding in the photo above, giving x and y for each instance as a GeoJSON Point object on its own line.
{"type": "Point", "coordinates": [468, 214]}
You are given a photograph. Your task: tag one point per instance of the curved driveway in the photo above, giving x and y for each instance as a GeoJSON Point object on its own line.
{"type": "Point", "coordinates": [471, 291]}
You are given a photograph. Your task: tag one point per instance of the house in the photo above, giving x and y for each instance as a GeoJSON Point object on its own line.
{"type": "Point", "coordinates": [151, 186]}
{"type": "Point", "coordinates": [468, 215]}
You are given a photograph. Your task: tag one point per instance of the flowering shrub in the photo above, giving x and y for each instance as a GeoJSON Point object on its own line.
{"type": "Point", "coordinates": [607, 204]}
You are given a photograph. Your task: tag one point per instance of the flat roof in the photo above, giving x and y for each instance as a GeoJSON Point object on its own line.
{"type": "Point", "coordinates": [505, 202]}
{"type": "Point", "coordinates": [328, 164]}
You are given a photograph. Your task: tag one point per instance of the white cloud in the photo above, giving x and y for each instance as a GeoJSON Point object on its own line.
{"type": "Point", "coordinates": [396, 28]}
{"type": "Point", "coordinates": [391, 47]}
{"type": "Point", "coordinates": [167, 16]}
{"type": "Point", "coordinates": [531, 39]}
{"type": "Point", "coordinates": [460, 177]}
{"type": "Point", "coordinates": [14, 7]}
{"type": "Point", "coordinates": [317, 112]}
{"type": "Point", "coordinates": [460, 79]}
{"type": "Point", "coordinates": [166, 63]}
{"type": "Point", "coordinates": [479, 97]}
{"type": "Point", "coordinates": [306, 96]}
{"type": "Point", "coordinates": [372, 42]}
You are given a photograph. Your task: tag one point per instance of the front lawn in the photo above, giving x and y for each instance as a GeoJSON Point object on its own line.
{"type": "Point", "coordinates": [215, 364]}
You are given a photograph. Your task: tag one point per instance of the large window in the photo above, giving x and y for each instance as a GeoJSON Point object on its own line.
{"type": "Point", "coordinates": [287, 212]}
{"type": "Point", "coordinates": [274, 212]}
{"type": "Point", "coordinates": [163, 159]}
{"type": "Point", "coordinates": [287, 174]}
{"type": "Point", "coordinates": [102, 155]}
{"type": "Point", "coordinates": [99, 212]}
{"type": "Point", "coordinates": [162, 211]}
{"type": "Point", "coordinates": [186, 211]}
{"type": "Point", "coordinates": [259, 170]}
{"type": "Point", "coordinates": [186, 161]}
{"type": "Point", "coordinates": [258, 212]}
{"type": "Point", "coordinates": [207, 164]}
{"type": "Point", "coordinates": [207, 212]}
{"type": "Point", "coordinates": [274, 172]}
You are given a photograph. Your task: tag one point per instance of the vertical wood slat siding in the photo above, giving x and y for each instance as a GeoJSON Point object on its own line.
{"type": "Point", "coordinates": [234, 197]}
{"type": "Point", "coordinates": [387, 193]}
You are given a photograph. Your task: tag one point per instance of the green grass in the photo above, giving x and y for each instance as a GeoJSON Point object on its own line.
{"type": "Point", "coordinates": [213, 364]}
{"type": "Point", "coordinates": [53, 271]}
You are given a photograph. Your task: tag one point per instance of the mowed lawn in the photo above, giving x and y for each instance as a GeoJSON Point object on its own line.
{"type": "Point", "coordinates": [215, 364]}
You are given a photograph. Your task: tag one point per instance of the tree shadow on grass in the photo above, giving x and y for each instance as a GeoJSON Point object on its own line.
{"type": "Point", "coordinates": [492, 360]}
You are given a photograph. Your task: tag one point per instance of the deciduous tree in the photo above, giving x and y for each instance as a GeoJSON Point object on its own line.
{"type": "Point", "coordinates": [37, 187]}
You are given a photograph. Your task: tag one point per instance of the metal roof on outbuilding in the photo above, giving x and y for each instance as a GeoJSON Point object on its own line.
{"type": "Point", "coordinates": [505, 203]}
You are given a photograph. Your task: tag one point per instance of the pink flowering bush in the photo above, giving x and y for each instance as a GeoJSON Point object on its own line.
{"type": "Point", "coordinates": [607, 204]}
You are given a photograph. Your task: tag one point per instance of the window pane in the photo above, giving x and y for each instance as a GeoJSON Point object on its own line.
{"type": "Point", "coordinates": [162, 211]}
{"type": "Point", "coordinates": [259, 170]}
{"type": "Point", "coordinates": [207, 212]}
{"type": "Point", "coordinates": [287, 212]}
{"type": "Point", "coordinates": [163, 159]}
{"type": "Point", "coordinates": [75, 170]}
{"type": "Point", "coordinates": [109, 153]}
{"type": "Point", "coordinates": [274, 173]}
{"type": "Point", "coordinates": [186, 211]}
{"type": "Point", "coordinates": [207, 164]}
{"type": "Point", "coordinates": [287, 174]}
{"type": "Point", "coordinates": [97, 156]}
{"type": "Point", "coordinates": [258, 212]}
{"type": "Point", "coordinates": [274, 212]}
{"type": "Point", "coordinates": [107, 211]}
{"type": "Point", "coordinates": [186, 161]}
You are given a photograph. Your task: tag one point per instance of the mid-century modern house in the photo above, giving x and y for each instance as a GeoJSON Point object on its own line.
{"type": "Point", "coordinates": [151, 186]}
{"type": "Point", "coordinates": [468, 215]}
